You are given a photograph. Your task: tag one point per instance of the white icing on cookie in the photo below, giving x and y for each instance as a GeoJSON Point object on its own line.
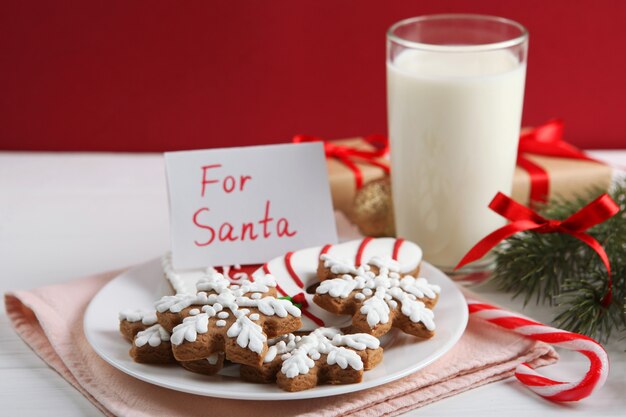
{"type": "Point", "coordinates": [338, 266]}
{"type": "Point", "coordinates": [147, 317]}
{"type": "Point", "coordinates": [190, 328]}
{"type": "Point", "coordinates": [279, 346]}
{"type": "Point", "coordinates": [249, 335]}
{"type": "Point", "coordinates": [415, 310]}
{"type": "Point", "coordinates": [215, 282]}
{"type": "Point", "coordinates": [184, 281]}
{"type": "Point", "coordinates": [152, 336]}
{"type": "Point", "coordinates": [271, 306]}
{"type": "Point", "coordinates": [300, 353]}
{"type": "Point", "coordinates": [305, 262]}
{"type": "Point", "coordinates": [337, 287]}
{"type": "Point", "coordinates": [376, 309]}
{"type": "Point", "coordinates": [344, 358]}
{"type": "Point", "coordinates": [212, 359]}
{"type": "Point", "coordinates": [419, 287]}
{"type": "Point", "coordinates": [379, 293]}
{"type": "Point", "coordinates": [177, 303]}
{"type": "Point", "coordinates": [224, 296]}
{"type": "Point", "coordinates": [385, 262]}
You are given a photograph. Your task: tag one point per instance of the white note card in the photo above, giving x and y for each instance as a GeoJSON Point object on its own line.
{"type": "Point", "coordinates": [247, 205]}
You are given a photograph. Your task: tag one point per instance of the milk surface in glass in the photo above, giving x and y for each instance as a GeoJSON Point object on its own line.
{"type": "Point", "coordinates": [454, 122]}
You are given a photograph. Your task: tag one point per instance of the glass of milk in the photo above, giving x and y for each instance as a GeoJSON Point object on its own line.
{"type": "Point", "coordinates": [455, 89]}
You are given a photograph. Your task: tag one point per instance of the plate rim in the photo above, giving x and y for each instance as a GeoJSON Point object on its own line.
{"type": "Point", "coordinates": [317, 392]}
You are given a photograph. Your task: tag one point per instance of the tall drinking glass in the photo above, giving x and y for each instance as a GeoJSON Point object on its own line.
{"type": "Point", "coordinates": [455, 89]}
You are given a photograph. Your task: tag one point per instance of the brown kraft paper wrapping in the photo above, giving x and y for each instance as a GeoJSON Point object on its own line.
{"type": "Point", "coordinates": [341, 177]}
{"type": "Point", "coordinates": [568, 178]}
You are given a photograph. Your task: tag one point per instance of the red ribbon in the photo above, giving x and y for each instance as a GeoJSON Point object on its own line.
{"type": "Point", "coordinates": [546, 140]}
{"type": "Point", "coordinates": [349, 156]}
{"type": "Point", "coordinates": [524, 219]}
{"type": "Point", "coordinates": [300, 299]}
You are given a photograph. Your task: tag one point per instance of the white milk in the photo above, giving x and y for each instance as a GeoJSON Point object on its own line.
{"type": "Point", "coordinates": [454, 123]}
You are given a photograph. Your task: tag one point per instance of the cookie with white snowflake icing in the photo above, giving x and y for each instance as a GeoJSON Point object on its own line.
{"type": "Point", "coordinates": [378, 296]}
{"type": "Point", "coordinates": [152, 345]}
{"type": "Point", "coordinates": [132, 321]}
{"type": "Point", "coordinates": [296, 272]}
{"type": "Point", "coordinates": [236, 319]}
{"type": "Point", "coordinates": [323, 356]}
{"type": "Point", "coordinates": [184, 281]}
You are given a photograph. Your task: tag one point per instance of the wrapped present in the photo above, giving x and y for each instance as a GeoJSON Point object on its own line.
{"type": "Point", "coordinates": [549, 167]}
{"type": "Point", "coordinates": [352, 163]}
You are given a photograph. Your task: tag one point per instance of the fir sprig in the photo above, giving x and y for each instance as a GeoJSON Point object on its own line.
{"type": "Point", "coordinates": [562, 271]}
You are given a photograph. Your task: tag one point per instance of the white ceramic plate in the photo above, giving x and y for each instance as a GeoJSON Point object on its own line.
{"type": "Point", "coordinates": [140, 286]}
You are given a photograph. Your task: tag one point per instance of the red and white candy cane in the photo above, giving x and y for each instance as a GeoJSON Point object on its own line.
{"type": "Point", "coordinates": [546, 387]}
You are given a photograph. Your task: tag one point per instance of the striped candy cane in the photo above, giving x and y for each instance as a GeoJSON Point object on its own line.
{"type": "Point", "coordinates": [546, 387]}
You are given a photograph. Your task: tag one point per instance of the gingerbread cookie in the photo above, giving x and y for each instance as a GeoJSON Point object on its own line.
{"type": "Point", "coordinates": [325, 356]}
{"type": "Point", "coordinates": [184, 282]}
{"type": "Point", "coordinates": [377, 296]}
{"type": "Point", "coordinates": [296, 272]}
{"type": "Point", "coordinates": [151, 342]}
{"type": "Point", "coordinates": [172, 309]}
{"type": "Point", "coordinates": [223, 317]}
{"type": "Point", "coordinates": [152, 345]}
{"type": "Point", "coordinates": [208, 366]}
{"type": "Point", "coordinates": [134, 321]}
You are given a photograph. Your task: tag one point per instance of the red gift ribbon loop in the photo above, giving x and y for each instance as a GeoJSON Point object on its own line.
{"type": "Point", "coordinates": [524, 219]}
{"type": "Point", "coordinates": [349, 156]}
{"type": "Point", "coordinates": [545, 140]}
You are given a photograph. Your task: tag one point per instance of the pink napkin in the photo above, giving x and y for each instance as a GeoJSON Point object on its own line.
{"type": "Point", "coordinates": [50, 319]}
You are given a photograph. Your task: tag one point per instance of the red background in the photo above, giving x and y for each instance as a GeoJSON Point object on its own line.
{"type": "Point", "coordinates": [157, 75]}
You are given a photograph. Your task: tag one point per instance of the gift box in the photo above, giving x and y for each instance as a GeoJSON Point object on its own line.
{"type": "Point", "coordinates": [568, 178]}
{"type": "Point", "coordinates": [547, 167]}
{"type": "Point", "coordinates": [352, 163]}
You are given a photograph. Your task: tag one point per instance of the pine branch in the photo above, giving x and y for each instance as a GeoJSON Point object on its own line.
{"type": "Point", "coordinates": [561, 271]}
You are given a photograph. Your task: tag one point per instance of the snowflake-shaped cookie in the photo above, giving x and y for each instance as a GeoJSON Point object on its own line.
{"type": "Point", "coordinates": [236, 319]}
{"type": "Point", "coordinates": [323, 356]}
{"type": "Point", "coordinates": [152, 345]}
{"type": "Point", "coordinates": [151, 342]}
{"type": "Point", "coordinates": [134, 321]}
{"type": "Point", "coordinates": [378, 297]}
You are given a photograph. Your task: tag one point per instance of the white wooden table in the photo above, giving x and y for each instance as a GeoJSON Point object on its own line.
{"type": "Point", "coordinates": [68, 215]}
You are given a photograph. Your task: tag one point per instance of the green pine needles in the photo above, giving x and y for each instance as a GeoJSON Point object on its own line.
{"type": "Point", "coordinates": [562, 271]}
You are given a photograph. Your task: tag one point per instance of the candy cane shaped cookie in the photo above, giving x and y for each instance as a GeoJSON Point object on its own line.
{"type": "Point", "coordinates": [297, 271]}
{"type": "Point", "coordinates": [548, 388]}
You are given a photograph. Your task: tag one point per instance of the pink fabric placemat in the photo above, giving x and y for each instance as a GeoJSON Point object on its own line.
{"type": "Point", "coordinates": [49, 320]}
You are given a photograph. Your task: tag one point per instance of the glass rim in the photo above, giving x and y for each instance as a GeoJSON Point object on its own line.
{"type": "Point", "coordinates": [518, 40]}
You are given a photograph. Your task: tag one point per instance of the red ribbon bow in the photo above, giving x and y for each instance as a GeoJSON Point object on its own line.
{"type": "Point", "coordinates": [546, 140]}
{"type": "Point", "coordinates": [524, 219]}
{"type": "Point", "coordinates": [349, 156]}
